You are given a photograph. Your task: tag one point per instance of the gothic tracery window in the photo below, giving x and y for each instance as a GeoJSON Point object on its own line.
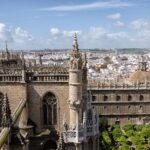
{"type": "Point", "coordinates": [49, 109]}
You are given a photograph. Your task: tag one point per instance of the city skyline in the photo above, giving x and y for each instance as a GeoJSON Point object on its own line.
{"type": "Point", "coordinates": [51, 24]}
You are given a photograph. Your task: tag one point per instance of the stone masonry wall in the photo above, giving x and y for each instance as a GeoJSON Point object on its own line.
{"type": "Point", "coordinates": [36, 91]}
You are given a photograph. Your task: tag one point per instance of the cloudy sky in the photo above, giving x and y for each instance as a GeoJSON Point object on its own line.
{"type": "Point", "coordinates": [36, 24]}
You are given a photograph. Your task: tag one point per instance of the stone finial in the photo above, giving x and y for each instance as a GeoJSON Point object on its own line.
{"type": "Point", "coordinates": [75, 42]}
{"type": "Point", "coordinates": [6, 112]}
{"type": "Point", "coordinates": [75, 46]}
{"type": "Point", "coordinates": [75, 59]}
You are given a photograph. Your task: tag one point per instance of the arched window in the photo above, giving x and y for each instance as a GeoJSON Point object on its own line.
{"type": "Point", "coordinates": [141, 97]}
{"type": "Point", "coordinates": [118, 98]}
{"type": "Point", "coordinates": [105, 98]}
{"type": "Point", "coordinates": [49, 109]}
{"type": "Point", "coordinates": [129, 98]}
{"type": "Point", "coordinates": [93, 97]}
{"type": "Point", "coordinates": [1, 98]}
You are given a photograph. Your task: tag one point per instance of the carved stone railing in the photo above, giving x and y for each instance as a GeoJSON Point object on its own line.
{"type": "Point", "coordinates": [116, 84]}
{"type": "Point", "coordinates": [120, 102]}
{"type": "Point", "coordinates": [118, 87]}
{"type": "Point", "coordinates": [5, 131]}
{"type": "Point", "coordinates": [127, 114]}
{"type": "Point", "coordinates": [10, 78]}
{"type": "Point", "coordinates": [49, 78]}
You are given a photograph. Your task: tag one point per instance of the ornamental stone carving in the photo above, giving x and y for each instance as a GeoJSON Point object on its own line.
{"type": "Point", "coordinates": [75, 104]}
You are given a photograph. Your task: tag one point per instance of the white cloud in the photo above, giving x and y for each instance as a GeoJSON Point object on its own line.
{"type": "Point", "coordinates": [118, 35]}
{"type": "Point", "coordinates": [100, 37]}
{"type": "Point", "coordinates": [140, 24]}
{"type": "Point", "coordinates": [119, 24]}
{"type": "Point", "coordinates": [71, 33]}
{"type": "Point", "coordinates": [54, 31]}
{"type": "Point", "coordinates": [5, 33]}
{"type": "Point", "coordinates": [62, 38]}
{"type": "Point", "coordinates": [22, 35]}
{"type": "Point", "coordinates": [17, 38]}
{"type": "Point", "coordinates": [114, 16]}
{"type": "Point", "coordinates": [93, 37]}
{"type": "Point", "coordinates": [97, 32]}
{"type": "Point", "coordinates": [89, 6]}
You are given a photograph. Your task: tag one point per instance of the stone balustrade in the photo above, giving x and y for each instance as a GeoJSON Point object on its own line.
{"type": "Point", "coordinates": [10, 78]}
{"type": "Point", "coordinates": [117, 85]}
{"type": "Point", "coordinates": [49, 78]}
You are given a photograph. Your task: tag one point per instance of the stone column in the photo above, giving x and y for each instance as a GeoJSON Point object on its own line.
{"type": "Point", "coordinates": [75, 94]}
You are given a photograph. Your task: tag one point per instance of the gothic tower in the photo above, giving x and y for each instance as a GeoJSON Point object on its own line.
{"type": "Point", "coordinates": [82, 130]}
{"type": "Point", "coordinates": [75, 85]}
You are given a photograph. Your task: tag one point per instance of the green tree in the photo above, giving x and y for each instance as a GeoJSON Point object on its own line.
{"type": "Point", "coordinates": [122, 140]}
{"type": "Point", "coordinates": [145, 133]}
{"type": "Point", "coordinates": [117, 133]}
{"type": "Point", "coordinates": [124, 147]}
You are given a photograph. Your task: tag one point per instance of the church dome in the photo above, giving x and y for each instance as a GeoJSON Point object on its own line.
{"type": "Point", "coordinates": [140, 76]}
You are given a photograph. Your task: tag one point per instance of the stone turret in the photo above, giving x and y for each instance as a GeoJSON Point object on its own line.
{"type": "Point", "coordinates": [75, 84]}
{"type": "Point", "coordinates": [6, 112]}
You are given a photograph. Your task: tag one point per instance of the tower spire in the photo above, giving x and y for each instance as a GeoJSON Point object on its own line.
{"type": "Point", "coordinates": [75, 42]}
{"type": "Point", "coordinates": [75, 50]}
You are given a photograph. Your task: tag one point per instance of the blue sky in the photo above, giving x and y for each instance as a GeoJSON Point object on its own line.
{"type": "Point", "coordinates": [35, 24]}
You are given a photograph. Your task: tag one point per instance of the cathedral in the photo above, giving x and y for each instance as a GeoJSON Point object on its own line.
{"type": "Point", "coordinates": [46, 107]}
